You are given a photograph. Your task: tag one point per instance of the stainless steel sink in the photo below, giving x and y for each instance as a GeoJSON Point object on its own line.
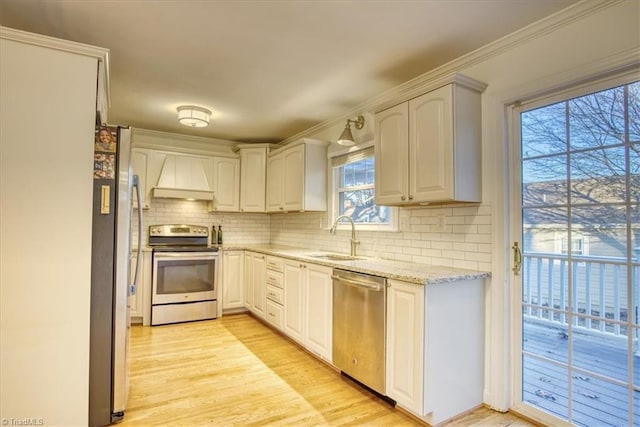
{"type": "Point", "coordinates": [336, 257]}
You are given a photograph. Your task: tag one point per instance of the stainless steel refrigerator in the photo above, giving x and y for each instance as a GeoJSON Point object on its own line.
{"type": "Point", "coordinates": [113, 187]}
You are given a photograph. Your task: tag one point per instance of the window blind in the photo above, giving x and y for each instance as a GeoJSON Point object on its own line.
{"type": "Point", "coordinates": [352, 157]}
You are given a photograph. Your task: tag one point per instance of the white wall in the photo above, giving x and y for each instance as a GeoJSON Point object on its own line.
{"type": "Point", "coordinates": [47, 116]}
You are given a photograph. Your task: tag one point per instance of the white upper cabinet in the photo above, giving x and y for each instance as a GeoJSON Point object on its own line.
{"type": "Point", "coordinates": [297, 177]}
{"type": "Point", "coordinates": [253, 173]}
{"type": "Point", "coordinates": [428, 148]}
{"type": "Point", "coordinates": [392, 154]}
{"type": "Point", "coordinates": [275, 188]}
{"type": "Point", "coordinates": [226, 185]}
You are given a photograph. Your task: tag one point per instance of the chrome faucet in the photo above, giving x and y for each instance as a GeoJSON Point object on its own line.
{"type": "Point", "coordinates": [354, 242]}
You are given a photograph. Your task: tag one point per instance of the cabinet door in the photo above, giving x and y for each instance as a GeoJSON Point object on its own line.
{"type": "Point", "coordinates": [139, 161]}
{"type": "Point", "coordinates": [253, 174]}
{"type": "Point", "coordinates": [405, 341]}
{"type": "Point", "coordinates": [392, 156]}
{"type": "Point", "coordinates": [431, 146]}
{"type": "Point", "coordinates": [144, 287]}
{"type": "Point", "coordinates": [258, 271]}
{"type": "Point", "coordinates": [293, 179]}
{"type": "Point", "coordinates": [318, 310]}
{"type": "Point", "coordinates": [293, 300]}
{"type": "Point", "coordinates": [275, 175]}
{"type": "Point", "coordinates": [232, 279]}
{"type": "Point", "coordinates": [226, 184]}
{"type": "Point", "coordinates": [248, 280]}
{"type": "Point", "coordinates": [135, 300]}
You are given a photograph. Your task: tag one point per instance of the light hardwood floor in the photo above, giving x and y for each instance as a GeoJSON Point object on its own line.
{"type": "Point", "coordinates": [236, 371]}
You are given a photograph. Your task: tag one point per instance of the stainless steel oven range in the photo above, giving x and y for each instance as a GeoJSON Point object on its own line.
{"type": "Point", "coordinates": [184, 274]}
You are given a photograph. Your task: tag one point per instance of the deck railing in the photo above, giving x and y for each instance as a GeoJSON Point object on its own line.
{"type": "Point", "coordinates": [599, 287]}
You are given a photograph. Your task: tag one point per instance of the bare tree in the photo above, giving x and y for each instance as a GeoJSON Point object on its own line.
{"type": "Point", "coordinates": [584, 153]}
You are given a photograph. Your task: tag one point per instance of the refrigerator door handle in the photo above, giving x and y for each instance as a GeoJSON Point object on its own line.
{"type": "Point", "coordinates": [136, 185]}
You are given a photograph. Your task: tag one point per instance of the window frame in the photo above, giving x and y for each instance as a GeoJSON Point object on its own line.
{"type": "Point", "coordinates": [334, 195]}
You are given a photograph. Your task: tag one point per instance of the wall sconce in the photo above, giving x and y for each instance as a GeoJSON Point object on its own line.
{"type": "Point", "coordinates": [192, 116]}
{"type": "Point", "coordinates": [346, 138]}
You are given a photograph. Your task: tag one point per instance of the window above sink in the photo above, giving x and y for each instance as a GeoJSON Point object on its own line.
{"type": "Point", "coordinates": [353, 192]}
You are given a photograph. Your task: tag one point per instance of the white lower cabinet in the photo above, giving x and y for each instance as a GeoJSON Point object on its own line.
{"type": "Point", "coordinates": [255, 284]}
{"type": "Point", "coordinates": [405, 329]}
{"type": "Point", "coordinates": [307, 306]}
{"type": "Point", "coordinates": [274, 292]}
{"type": "Point", "coordinates": [294, 299]}
{"type": "Point", "coordinates": [318, 310]}
{"type": "Point", "coordinates": [435, 347]}
{"type": "Point", "coordinates": [232, 283]}
{"type": "Point", "coordinates": [140, 302]}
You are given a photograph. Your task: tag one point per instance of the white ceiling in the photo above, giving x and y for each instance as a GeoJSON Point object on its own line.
{"type": "Point", "coordinates": [267, 69]}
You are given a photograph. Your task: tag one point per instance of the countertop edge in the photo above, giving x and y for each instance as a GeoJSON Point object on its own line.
{"type": "Point", "coordinates": [421, 274]}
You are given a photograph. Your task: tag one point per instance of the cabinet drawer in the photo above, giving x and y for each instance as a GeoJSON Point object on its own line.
{"type": "Point", "coordinates": [275, 294]}
{"type": "Point", "coordinates": [274, 279]}
{"type": "Point", "coordinates": [274, 314]}
{"type": "Point", "coordinates": [275, 264]}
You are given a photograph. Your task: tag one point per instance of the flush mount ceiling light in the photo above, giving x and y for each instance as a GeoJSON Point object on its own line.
{"type": "Point", "coordinates": [192, 116]}
{"type": "Point", "coordinates": [346, 138]}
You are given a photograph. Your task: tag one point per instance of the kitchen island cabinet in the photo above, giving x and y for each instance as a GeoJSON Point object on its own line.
{"type": "Point", "coordinates": [435, 347]}
{"type": "Point", "coordinates": [428, 148]}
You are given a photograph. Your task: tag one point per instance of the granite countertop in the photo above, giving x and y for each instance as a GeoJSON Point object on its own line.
{"type": "Point", "coordinates": [421, 274]}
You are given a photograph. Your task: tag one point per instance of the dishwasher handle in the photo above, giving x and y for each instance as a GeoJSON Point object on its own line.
{"type": "Point", "coordinates": [358, 284]}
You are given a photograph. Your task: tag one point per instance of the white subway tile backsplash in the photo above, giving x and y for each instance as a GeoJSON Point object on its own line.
{"type": "Point", "coordinates": [237, 228]}
{"type": "Point", "coordinates": [464, 242]}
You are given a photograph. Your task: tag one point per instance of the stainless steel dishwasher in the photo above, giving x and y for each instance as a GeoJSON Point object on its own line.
{"type": "Point", "coordinates": [359, 327]}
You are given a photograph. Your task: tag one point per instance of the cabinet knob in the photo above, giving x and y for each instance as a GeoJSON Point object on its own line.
{"type": "Point", "coordinates": [410, 197]}
{"type": "Point", "coordinates": [402, 198]}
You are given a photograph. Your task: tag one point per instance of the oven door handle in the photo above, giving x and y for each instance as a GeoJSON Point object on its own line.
{"type": "Point", "coordinates": [186, 255]}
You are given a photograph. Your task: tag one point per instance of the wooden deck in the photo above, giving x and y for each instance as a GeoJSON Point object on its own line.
{"type": "Point", "coordinates": [596, 402]}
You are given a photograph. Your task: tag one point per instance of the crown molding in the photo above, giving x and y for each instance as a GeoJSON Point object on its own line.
{"type": "Point", "coordinates": [155, 139]}
{"type": "Point", "coordinates": [431, 79]}
{"type": "Point", "coordinates": [55, 43]}
{"type": "Point", "coordinates": [101, 54]}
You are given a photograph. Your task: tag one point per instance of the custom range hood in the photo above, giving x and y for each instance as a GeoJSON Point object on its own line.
{"type": "Point", "coordinates": [185, 177]}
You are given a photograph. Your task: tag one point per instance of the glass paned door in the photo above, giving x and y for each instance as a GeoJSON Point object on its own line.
{"type": "Point", "coordinates": [579, 283]}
